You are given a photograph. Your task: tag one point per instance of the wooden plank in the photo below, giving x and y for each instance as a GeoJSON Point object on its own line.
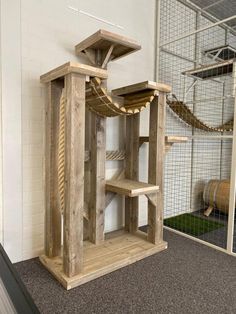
{"type": "Point", "coordinates": [169, 139]}
{"type": "Point", "coordinates": [132, 170]}
{"type": "Point", "coordinates": [52, 203]}
{"type": "Point", "coordinates": [155, 167]}
{"type": "Point", "coordinates": [141, 87]}
{"type": "Point", "coordinates": [103, 39]}
{"type": "Point", "coordinates": [73, 67]}
{"type": "Point", "coordinates": [107, 56]}
{"type": "Point", "coordinates": [87, 174]}
{"type": "Point", "coordinates": [74, 174]}
{"type": "Point", "coordinates": [176, 139]}
{"type": "Point", "coordinates": [130, 188]}
{"type": "Point", "coordinates": [97, 196]}
{"type": "Point", "coordinates": [90, 55]}
{"type": "Point", "coordinates": [113, 254]}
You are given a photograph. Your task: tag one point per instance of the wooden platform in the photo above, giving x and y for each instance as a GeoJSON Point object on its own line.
{"type": "Point", "coordinates": [103, 40]}
{"type": "Point", "coordinates": [141, 87]}
{"type": "Point", "coordinates": [130, 188]}
{"type": "Point", "coordinates": [117, 251]}
{"type": "Point", "coordinates": [73, 67]}
{"type": "Point", "coordinates": [211, 70]}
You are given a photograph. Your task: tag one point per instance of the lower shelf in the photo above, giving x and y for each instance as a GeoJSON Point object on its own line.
{"type": "Point", "coordinates": [116, 252]}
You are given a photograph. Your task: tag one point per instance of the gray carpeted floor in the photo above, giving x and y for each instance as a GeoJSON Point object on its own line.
{"type": "Point", "coordinates": [186, 278]}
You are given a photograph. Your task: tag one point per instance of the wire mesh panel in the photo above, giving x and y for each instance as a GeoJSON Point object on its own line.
{"type": "Point", "coordinates": [197, 58]}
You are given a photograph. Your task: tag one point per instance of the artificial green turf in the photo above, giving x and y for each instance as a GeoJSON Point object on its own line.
{"type": "Point", "coordinates": [192, 225]}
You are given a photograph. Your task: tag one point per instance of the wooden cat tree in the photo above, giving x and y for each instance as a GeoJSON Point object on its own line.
{"type": "Point", "coordinates": [77, 107]}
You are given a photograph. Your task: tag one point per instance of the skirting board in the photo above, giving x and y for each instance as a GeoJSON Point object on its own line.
{"type": "Point", "coordinates": [105, 258]}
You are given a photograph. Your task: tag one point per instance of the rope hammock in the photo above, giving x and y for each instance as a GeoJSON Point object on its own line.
{"type": "Point", "coordinates": [185, 114]}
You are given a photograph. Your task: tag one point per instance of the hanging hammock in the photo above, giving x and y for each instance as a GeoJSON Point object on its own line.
{"type": "Point", "coordinates": [185, 114]}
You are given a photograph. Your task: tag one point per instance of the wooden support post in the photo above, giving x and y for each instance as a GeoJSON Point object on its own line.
{"type": "Point", "coordinates": [155, 167]}
{"type": "Point", "coordinates": [52, 206]}
{"type": "Point", "coordinates": [98, 159]}
{"type": "Point", "coordinates": [87, 174]}
{"type": "Point", "coordinates": [74, 173]}
{"type": "Point", "coordinates": [132, 170]}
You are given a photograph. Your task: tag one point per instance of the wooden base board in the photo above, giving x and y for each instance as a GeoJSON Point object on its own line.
{"type": "Point", "coordinates": [114, 253]}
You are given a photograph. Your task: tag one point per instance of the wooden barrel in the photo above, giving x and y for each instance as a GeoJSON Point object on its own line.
{"type": "Point", "coordinates": [216, 194]}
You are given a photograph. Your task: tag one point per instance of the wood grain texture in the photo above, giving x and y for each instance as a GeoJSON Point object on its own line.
{"type": "Point", "coordinates": [169, 141]}
{"type": "Point", "coordinates": [130, 188]}
{"type": "Point", "coordinates": [140, 87]}
{"type": "Point", "coordinates": [52, 202]}
{"type": "Point", "coordinates": [102, 40]}
{"type": "Point", "coordinates": [74, 174]}
{"type": "Point", "coordinates": [132, 170]}
{"type": "Point", "coordinates": [97, 196]}
{"type": "Point", "coordinates": [107, 56]}
{"type": "Point", "coordinates": [155, 167]}
{"type": "Point", "coordinates": [73, 67]}
{"type": "Point", "coordinates": [115, 252]}
{"type": "Point", "coordinates": [87, 174]}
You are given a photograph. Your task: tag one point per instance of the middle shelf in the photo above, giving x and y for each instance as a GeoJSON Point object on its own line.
{"type": "Point", "coordinates": [130, 188]}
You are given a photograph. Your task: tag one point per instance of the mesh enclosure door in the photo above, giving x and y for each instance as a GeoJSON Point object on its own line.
{"type": "Point", "coordinates": [197, 58]}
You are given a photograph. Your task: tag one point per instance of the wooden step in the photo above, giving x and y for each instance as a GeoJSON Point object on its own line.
{"type": "Point", "coordinates": [142, 87]}
{"type": "Point", "coordinates": [130, 188]}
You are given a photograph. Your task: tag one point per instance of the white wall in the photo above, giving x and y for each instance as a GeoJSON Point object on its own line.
{"type": "Point", "coordinates": [48, 31]}
{"type": "Point", "coordinates": [11, 151]}
{"type": "Point", "coordinates": [1, 211]}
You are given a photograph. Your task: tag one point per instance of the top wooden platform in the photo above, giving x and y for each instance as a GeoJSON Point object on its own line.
{"type": "Point", "coordinates": [130, 188]}
{"type": "Point", "coordinates": [73, 67]}
{"type": "Point", "coordinates": [212, 70]}
{"type": "Point", "coordinates": [103, 40]}
{"type": "Point", "coordinates": [141, 87]}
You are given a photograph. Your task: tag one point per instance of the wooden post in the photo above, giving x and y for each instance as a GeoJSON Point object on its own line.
{"type": "Point", "coordinates": [132, 170]}
{"type": "Point", "coordinates": [52, 206]}
{"type": "Point", "coordinates": [74, 173]}
{"type": "Point", "coordinates": [97, 204]}
{"type": "Point", "coordinates": [98, 160]}
{"type": "Point", "coordinates": [155, 167]}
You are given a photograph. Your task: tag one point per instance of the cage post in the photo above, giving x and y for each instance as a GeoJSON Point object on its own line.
{"type": "Point", "coordinates": [231, 215]}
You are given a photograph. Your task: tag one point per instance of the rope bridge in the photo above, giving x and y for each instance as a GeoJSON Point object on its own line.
{"type": "Point", "coordinates": [185, 114]}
